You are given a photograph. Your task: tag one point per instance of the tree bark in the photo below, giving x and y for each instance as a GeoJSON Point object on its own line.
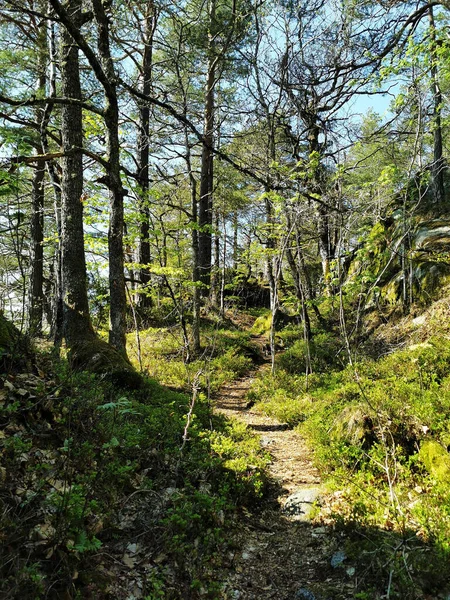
{"type": "Point", "coordinates": [37, 202]}
{"type": "Point", "coordinates": [144, 256]}
{"type": "Point", "coordinates": [215, 271]}
{"type": "Point", "coordinates": [299, 289]}
{"type": "Point", "coordinates": [437, 168]}
{"type": "Point", "coordinates": [326, 249]}
{"type": "Point", "coordinates": [77, 325]}
{"type": "Point", "coordinates": [117, 291]}
{"type": "Point", "coordinates": [57, 318]}
{"type": "Point", "coordinates": [207, 164]}
{"type": "Point", "coordinates": [37, 251]}
{"type": "Point", "coordinates": [235, 240]}
{"type": "Point", "coordinates": [196, 299]}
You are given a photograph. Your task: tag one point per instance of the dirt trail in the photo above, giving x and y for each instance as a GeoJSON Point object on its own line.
{"type": "Point", "coordinates": [279, 553]}
{"type": "Point", "coordinates": [291, 466]}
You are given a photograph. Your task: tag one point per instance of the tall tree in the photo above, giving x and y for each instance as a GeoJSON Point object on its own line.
{"type": "Point", "coordinates": [37, 198]}
{"type": "Point", "coordinates": [150, 19]}
{"type": "Point", "coordinates": [205, 205]}
{"type": "Point", "coordinates": [438, 164]}
{"type": "Point", "coordinates": [103, 68]}
{"type": "Point", "coordinates": [77, 324]}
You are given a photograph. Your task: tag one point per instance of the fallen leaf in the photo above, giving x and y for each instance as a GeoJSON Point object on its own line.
{"type": "Point", "coordinates": [129, 561]}
{"type": "Point", "coordinates": [160, 558]}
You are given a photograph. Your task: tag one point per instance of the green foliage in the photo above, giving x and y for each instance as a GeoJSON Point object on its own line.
{"type": "Point", "coordinates": [227, 357]}
{"type": "Point", "coordinates": [379, 429]}
{"type": "Point", "coordinates": [101, 448]}
{"type": "Point", "coordinates": [324, 352]}
{"type": "Point", "coordinates": [436, 460]}
{"type": "Point", "coordinates": [262, 324]}
{"type": "Point", "coordinates": [241, 454]}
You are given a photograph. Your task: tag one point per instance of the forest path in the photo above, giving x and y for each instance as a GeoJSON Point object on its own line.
{"type": "Point", "coordinates": [278, 553]}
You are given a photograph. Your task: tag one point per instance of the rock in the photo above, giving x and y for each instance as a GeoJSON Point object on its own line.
{"type": "Point", "coordinates": [248, 552]}
{"type": "Point", "coordinates": [418, 321]}
{"type": "Point", "coordinates": [338, 558]}
{"type": "Point", "coordinates": [353, 425]}
{"type": "Point", "coordinates": [266, 441]}
{"type": "Point", "coordinates": [305, 594]}
{"type": "Point", "coordinates": [299, 504]}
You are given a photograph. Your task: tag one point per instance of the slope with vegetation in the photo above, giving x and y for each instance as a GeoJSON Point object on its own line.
{"type": "Point", "coordinates": [189, 202]}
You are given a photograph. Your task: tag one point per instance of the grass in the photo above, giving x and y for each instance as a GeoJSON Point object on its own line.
{"type": "Point", "coordinates": [227, 355]}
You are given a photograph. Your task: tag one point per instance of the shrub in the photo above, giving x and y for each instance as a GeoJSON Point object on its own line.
{"type": "Point", "coordinates": [324, 352]}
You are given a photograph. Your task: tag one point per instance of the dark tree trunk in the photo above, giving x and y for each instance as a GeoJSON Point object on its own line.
{"type": "Point", "coordinates": [207, 167]}
{"type": "Point", "coordinates": [195, 272]}
{"type": "Point", "coordinates": [117, 291]}
{"type": "Point", "coordinates": [37, 251]}
{"type": "Point", "coordinates": [144, 256]}
{"type": "Point", "coordinates": [37, 200]}
{"type": "Point", "coordinates": [196, 295]}
{"type": "Point", "coordinates": [86, 350]}
{"type": "Point", "coordinates": [77, 324]}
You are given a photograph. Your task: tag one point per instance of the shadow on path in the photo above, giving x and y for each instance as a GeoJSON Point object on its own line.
{"type": "Point", "coordinates": [280, 553]}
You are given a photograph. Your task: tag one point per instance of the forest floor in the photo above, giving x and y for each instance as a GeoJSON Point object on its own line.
{"type": "Point", "coordinates": [279, 551]}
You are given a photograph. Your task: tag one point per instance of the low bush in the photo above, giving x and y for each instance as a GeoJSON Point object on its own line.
{"type": "Point", "coordinates": [379, 430]}
{"type": "Point", "coordinates": [324, 350]}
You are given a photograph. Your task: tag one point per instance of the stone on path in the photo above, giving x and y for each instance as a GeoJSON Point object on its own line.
{"type": "Point", "coordinates": [299, 504]}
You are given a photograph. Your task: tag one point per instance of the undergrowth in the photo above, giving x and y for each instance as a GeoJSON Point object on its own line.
{"type": "Point", "coordinates": [379, 430]}
{"type": "Point", "coordinates": [85, 466]}
{"type": "Point", "coordinates": [227, 355]}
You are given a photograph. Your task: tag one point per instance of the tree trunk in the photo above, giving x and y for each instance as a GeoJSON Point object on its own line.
{"type": "Point", "coordinates": [224, 268]}
{"type": "Point", "coordinates": [144, 257]}
{"type": "Point", "coordinates": [437, 168]}
{"type": "Point", "coordinates": [299, 291]}
{"type": "Point", "coordinates": [215, 273]}
{"type": "Point", "coordinates": [117, 291]}
{"type": "Point", "coordinates": [326, 250]}
{"type": "Point", "coordinates": [207, 165]}
{"type": "Point", "coordinates": [37, 201]}
{"type": "Point", "coordinates": [235, 240]}
{"type": "Point", "coordinates": [195, 267]}
{"type": "Point", "coordinates": [56, 320]}
{"type": "Point", "coordinates": [77, 325]}
{"type": "Point", "coordinates": [37, 251]}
